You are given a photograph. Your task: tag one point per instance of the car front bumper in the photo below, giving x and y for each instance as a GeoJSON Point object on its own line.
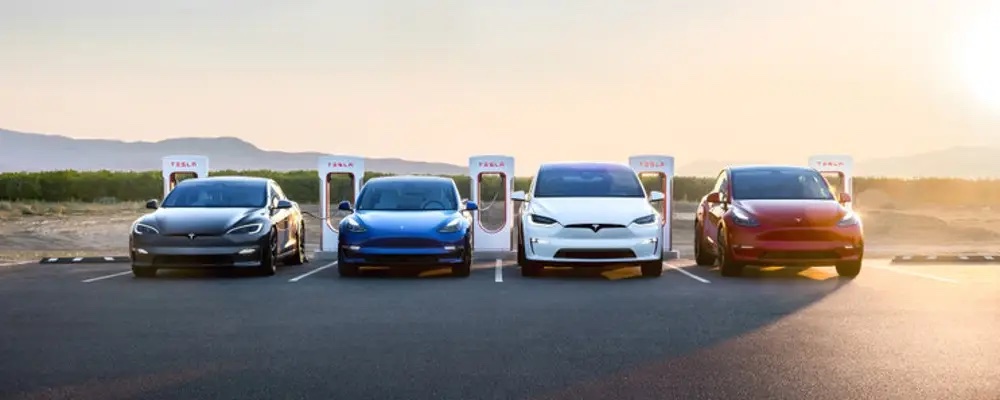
{"type": "Point", "coordinates": [364, 250]}
{"type": "Point", "coordinates": [555, 245]}
{"type": "Point", "coordinates": [200, 252]}
{"type": "Point", "coordinates": [814, 246]}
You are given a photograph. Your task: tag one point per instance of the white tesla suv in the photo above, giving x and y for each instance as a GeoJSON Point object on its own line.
{"type": "Point", "coordinates": [588, 214]}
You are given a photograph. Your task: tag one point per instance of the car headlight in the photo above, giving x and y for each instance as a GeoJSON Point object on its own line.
{"type": "Point", "coordinates": [143, 229]}
{"type": "Point", "coordinates": [743, 218]}
{"type": "Point", "coordinates": [249, 229]}
{"type": "Point", "coordinates": [451, 226]}
{"type": "Point", "coordinates": [849, 219]}
{"type": "Point", "coordinates": [352, 225]}
{"type": "Point", "coordinates": [540, 220]}
{"type": "Point", "coordinates": [649, 219]}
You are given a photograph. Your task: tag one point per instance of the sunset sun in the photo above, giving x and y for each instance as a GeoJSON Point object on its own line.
{"type": "Point", "coordinates": [978, 50]}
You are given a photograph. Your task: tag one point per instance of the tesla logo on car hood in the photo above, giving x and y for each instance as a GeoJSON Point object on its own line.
{"type": "Point", "coordinates": [191, 236]}
{"type": "Point", "coordinates": [595, 227]}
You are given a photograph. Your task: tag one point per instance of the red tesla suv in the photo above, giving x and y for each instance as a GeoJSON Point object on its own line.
{"type": "Point", "coordinates": [776, 215]}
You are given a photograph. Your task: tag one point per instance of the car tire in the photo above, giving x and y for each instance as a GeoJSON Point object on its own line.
{"type": "Point", "coordinates": [299, 257]}
{"type": "Point", "coordinates": [701, 257]}
{"type": "Point", "coordinates": [269, 257]}
{"type": "Point", "coordinates": [849, 269]}
{"type": "Point", "coordinates": [464, 269]}
{"type": "Point", "coordinates": [652, 269]}
{"type": "Point", "coordinates": [727, 266]}
{"type": "Point", "coordinates": [143, 272]}
{"type": "Point", "coordinates": [528, 268]}
{"type": "Point", "coordinates": [345, 269]}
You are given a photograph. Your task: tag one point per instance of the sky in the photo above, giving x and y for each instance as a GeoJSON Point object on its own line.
{"type": "Point", "coordinates": [538, 80]}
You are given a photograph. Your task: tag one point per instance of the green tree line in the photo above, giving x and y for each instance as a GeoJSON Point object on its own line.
{"type": "Point", "coordinates": [303, 186]}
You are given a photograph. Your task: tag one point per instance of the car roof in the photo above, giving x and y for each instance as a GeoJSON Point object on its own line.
{"type": "Point", "coordinates": [234, 178]}
{"type": "Point", "coordinates": [565, 165]}
{"type": "Point", "coordinates": [411, 178]}
{"type": "Point", "coordinates": [765, 167]}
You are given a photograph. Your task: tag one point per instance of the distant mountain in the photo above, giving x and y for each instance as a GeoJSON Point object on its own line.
{"type": "Point", "coordinates": [956, 162]}
{"type": "Point", "coordinates": [40, 152]}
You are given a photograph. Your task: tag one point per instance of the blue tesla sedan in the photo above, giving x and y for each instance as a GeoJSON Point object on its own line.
{"type": "Point", "coordinates": [407, 221]}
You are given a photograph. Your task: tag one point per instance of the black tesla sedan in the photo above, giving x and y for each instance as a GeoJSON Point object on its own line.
{"type": "Point", "coordinates": [227, 221]}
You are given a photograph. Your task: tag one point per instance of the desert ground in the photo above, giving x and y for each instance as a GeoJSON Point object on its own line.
{"type": "Point", "coordinates": [31, 230]}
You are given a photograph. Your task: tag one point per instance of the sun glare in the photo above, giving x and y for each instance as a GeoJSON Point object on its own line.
{"type": "Point", "coordinates": [979, 58]}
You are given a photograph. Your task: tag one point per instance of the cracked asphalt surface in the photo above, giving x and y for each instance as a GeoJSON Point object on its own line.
{"type": "Point", "coordinates": [895, 332]}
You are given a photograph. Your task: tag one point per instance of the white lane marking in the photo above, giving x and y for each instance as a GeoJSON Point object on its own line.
{"type": "Point", "coordinates": [988, 258]}
{"type": "Point", "coordinates": [918, 274]}
{"type": "Point", "coordinates": [932, 257]}
{"type": "Point", "coordinates": [78, 259]}
{"type": "Point", "coordinates": [963, 257]}
{"type": "Point", "coordinates": [106, 277]}
{"type": "Point", "coordinates": [109, 258]}
{"type": "Point", "coordinates": [297, 278]}
{"type": "Point", "coordinates": [907, 258]}
{"type": "Point", "coordinates": [17, 263]}
{"type": "Point", "coordinates": [498, 275]}
{"type": "Point", "coordinates": [53, 259]}
{"type": "Point", "coordinates": [690, 275]}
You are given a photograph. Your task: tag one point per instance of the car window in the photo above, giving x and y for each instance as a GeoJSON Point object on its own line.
{"type": "Point", "coordinates": [588, 181]}
{"type": "Point", "coordinates": [402, 195]}
{"type": "Point", "coordinates": [780, 185]}
{"type": "Point", "coordinates": [210, 193]}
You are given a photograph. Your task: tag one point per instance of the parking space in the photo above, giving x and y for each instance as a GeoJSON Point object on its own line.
{"type": "Point", "coordinates": [505, 271]}
{"type": "Point", "coordinates": [569, 333]}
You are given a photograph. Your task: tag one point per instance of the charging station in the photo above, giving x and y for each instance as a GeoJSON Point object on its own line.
{"type": "Point", "coordinates": [174, 167]}
{"type": "Point", "coordinates": [330, 167]}
{"type": "Point", "coordinates": [663, 168]}
{"type": "Point", "coordinates": [838, 170]}
{"type": "Point", "coordinates": [493, 221]}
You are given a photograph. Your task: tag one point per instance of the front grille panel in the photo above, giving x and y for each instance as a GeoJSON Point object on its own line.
{"type": "Point", "coordinates": [799, 255]}
{"type": "Point", "coordinates": [403, 242]}
{"type": "Point", "coordinates": [595, 254]}
{"type": "Point", "coordinates": [402, 259]}
{"type": "Point", "coordinates": [800, 235]}
{"type": "Point", "coordinates": [218, 260]}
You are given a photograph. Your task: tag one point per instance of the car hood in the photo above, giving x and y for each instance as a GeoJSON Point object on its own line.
{"type": "Point", "coordinates": [405, 220]}
{"type": "Point", "coordinates": [785, 212]}
{"type": "Point", "coordinates": [200, 221]}
{"type": "Point", "coordinates": [592, 210]}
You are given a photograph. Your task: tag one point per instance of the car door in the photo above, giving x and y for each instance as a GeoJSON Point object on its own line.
{"type": "Point", "coordinates": [715, 211]}
{"type": "Point", "coordinates": [279, 217]}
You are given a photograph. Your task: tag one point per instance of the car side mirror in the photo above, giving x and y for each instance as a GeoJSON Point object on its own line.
{"type": "Point", "coordinates": [656, 196]}
{"type": "Point", "coordinates": [518, 195]}
{"type": "Point", "coordinates": [714, 197]}
{"type": "Point", "coordinates": [845, 198]}
{"type": "Point", "coordinates": [345, 206]}
{"type": "Point", "coordinates": [152, 204]}
{"type": "Point", "coordinates": [471, 206]}
{"type": "Point", "coordinates": [283, 205]}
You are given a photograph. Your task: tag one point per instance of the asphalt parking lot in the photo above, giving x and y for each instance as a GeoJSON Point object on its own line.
{"type": "Point", "coordinates": [92, 331]}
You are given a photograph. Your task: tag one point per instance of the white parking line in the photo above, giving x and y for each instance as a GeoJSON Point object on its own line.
{"type": "Point", "coordinates": [690, 275]}
{"type": "Point", "coordinates": [498, 275]}
{"type": "Point", "coordinates": [17, 263]}
{"type": "Point", "coordinates": [297, 278]}
{"type": "Point", "coordinates": [918, 274]}
{"type": "Point", "coordinates": [105, 277]}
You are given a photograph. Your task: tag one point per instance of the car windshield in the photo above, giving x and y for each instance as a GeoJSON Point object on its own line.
{"type": "Point", "coordinates": [779, 185]}
{"type": "Point", "coordinates": [588, 181]}
{"type": "Point", "coordinates": [217, 194]}
{"type": "Point", "coordinates": [408, 196]}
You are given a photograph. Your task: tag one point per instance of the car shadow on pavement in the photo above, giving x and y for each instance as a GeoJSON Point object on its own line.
{"type": "Point", "coordinates": [613, 273]}
{"type": "Point", "coordinates": [784, 273]}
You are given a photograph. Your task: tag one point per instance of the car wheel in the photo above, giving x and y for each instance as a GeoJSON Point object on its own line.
{"type": "Point", "coordinates": [269, 257]}
{"type": "Point", "coordinates": [345, 269]}
{"type": "Point", "coordinates": [299, 257]}
{"type": "Point", "coordinates": [528, 267]}
{"type": "Point", "coordinates": [701, 257]}
{"type": "Point", "coordinates": [143, 272]}
{"type": "Point", "coordinates": [652, 269]}
{"type": "Point", "coordinates": [465, 268]}
{"type": "Point", "coordinates": [849, 269]}
{"type": "Point", "coordinates": [727, 266]}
